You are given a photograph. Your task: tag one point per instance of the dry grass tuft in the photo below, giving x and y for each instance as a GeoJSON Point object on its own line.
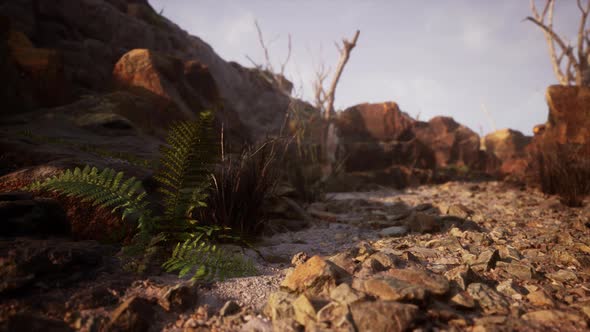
{"type": "Point", "coordinates": [241, 186]}
{"type": "Point", "coordinates": [564, 170]}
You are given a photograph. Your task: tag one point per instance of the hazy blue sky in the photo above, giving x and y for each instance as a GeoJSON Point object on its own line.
{"type": "Point", "coordinates": [433, 57]}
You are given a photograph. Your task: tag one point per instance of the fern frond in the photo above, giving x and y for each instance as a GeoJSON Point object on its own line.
{"type": "Point", "coordinates": [206, 261]}
{"type": "Point", "coordinates": [184, 180]}
{"type": "Point", "coordinates": [185, 166]}
{"type": "Point", "coordinates": [105, 188]}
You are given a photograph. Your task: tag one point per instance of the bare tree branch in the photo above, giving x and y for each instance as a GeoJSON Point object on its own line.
{"type": "Point", "coordinates": [264, 48]}
{"type": "Point", "coordinates": [549, 37]}
{"type": "Point", "coordinates": [268, 71]}
{"type": "Point", "coordinates": [325, 102]}
{"type": "Point", "coordinates": [579, 3]}
{"type": "Point", "coordinates": [321, 74]}
{"type": "Point", "coordinates": [575, 69]}
{"type": "Point", "coordinates": [583, 63]}
{"type": "Point", "coordinates": [560, 57]}
{"type": "Point", "coordinates": [256, 65]}
{"type": "Point", "coordinates": [344, 56]}
{"type": "Point", "coordinates": [284, 64]}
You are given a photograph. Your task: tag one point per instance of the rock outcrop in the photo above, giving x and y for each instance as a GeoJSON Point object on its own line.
{"type": "Point", "coordinates": [452, 143]}
{"type": "Point", "coordinates": [380, 142]}
{"type": "Point", "coordinates": [506, 143]}
{"type": "Point", "coordinates": [559, 156]}
{"type": "Point", "coordinates": [569, 114]}
{"type": "Point", "coordinates": [80, 43]}
{"type": "Point", "coordinates": [381, 122]}
{"type": "Point", "coordinates": [510, 148]}
{"type": "Point", "coordinates": [568, 121]}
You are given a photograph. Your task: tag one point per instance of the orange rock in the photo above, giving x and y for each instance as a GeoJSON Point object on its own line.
{"type": "Point", "coordinates": [569, 114]}
{"type": "Point", "coordinates": [144, 70]}
{"type": "Point", "coordinates": [41, 69]}
{"type": "Point", "coordinates": [381, 122]}
{"type": "Point", "coordinates": [510, 148]}
{"type": "Point", "coordinates": [506, 143]}
{"type": "Point", "coordinates": [179, 89]}
{"type": "Point", "coordinates": [453, 143]}
{"type": "Point", "coordinates": [316, 277]}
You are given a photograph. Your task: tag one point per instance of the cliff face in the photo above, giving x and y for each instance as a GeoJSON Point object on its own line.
{"type": "Point", "coordinates": [65, 49]}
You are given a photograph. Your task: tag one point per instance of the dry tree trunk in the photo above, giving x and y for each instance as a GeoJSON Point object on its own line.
{"type": "Point", "coordinates": [325, 101]}
{"type": "Point", "coordinates": [577, 70]}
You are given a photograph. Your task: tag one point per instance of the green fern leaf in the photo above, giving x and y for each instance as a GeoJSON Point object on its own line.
{"type": "Point", "coordinates": [185, 166]}
{"type": "Point", "coordinates": [206, 260]}
{"type": "Point", "coordinates": [103, 189]}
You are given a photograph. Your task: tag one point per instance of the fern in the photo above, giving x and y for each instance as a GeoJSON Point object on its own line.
{"type": "Point", "coordinates": [206, 261]}
{"type": "Point", "coordinates": [183, 181]}
{"type": "Point", "coordinates": [185, 167]}
{"type": "Point", "coordinates": [104, 188]}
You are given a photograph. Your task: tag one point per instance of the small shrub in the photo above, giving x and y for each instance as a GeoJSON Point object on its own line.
{"type": "Point", "coordinates": [564, 170]}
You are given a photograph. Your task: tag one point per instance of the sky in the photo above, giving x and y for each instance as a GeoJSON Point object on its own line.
{"type": "Point", "coordinates": [474, 60]}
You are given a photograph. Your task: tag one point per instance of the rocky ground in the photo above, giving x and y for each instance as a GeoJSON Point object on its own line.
{"type": "Point", "coordinates": [458, 256]}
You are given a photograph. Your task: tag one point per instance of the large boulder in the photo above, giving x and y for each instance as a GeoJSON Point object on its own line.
{"type": "Point", "coordinates": [453, 143]}
{"type": "Point", "coordinates": [558, 157]}
{"type": "Point", "coordinates": [569, 114]}
{"type": "Point", "coordinates": [91, 36]}
{"type": "Point", "coordinates": [381, 143]}
{"type": "Point", "coordinates": [174, 89]}
{"type": "Point", "coordinates": [373, 122]}
{"type": "Point", "coordinates": [568, 124]}
{"type": "Point", "coordinates": [88, 132]}
{"type": "Point", "coordinates": [377, 136]}
{"type": "Point", "coordinates": [506, 143]}
{"type": "Point", "coordinates": [509, 147]}
{"type": "Point", "coordinates": [161, 77]}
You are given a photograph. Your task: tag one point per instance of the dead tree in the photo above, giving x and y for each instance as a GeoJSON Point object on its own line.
{"type": "Point", "coordinates": [577, 68]}
{"type": "Point", "coordinates": [268, 70]}
{"type": "Point", "coordinates": [325, 99]}
{"type": "Point", "coordinates": [321, 74]}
